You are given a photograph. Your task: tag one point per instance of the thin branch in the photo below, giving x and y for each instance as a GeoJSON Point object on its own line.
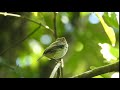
{"type": "Point", "coordinates": [54, 20]}
{"type": "Point", "coordinates": [45, 26]}
{"type": "Point", "coordinates": [23, 17]}
{"type": "Point", "coordinates": [62, 65]}
{"type": "Point", "coordinates": [9, 14]}
{"type": "Point", "coordinates": [6, 65]}
{"type": "Point", "coordinates": [19, 41]}
{"type": "Point", "coordinates": [55, 35]}
{"type": "Point", "coordinates": [60, 69]}
{"type": "Point", "coordinates": [100, 70]}
{"type": "Point", "coordinates": [14, 69]}
{"type": "Point", "coordinates": [55, 69]}
{"type": "Point", "coordinates": [59, 72]}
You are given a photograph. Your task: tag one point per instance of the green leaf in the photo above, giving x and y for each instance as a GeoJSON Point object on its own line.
{"type": "Point", "coordinates": [111, 19]}
{"type": "Point", "coordinates": [35, 13]}
{"type": "Point", "coordinates": [109, 30]}
{"type": "Point", "coordinates": [114, 52]}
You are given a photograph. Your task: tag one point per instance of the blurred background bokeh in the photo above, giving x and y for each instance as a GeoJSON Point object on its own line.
{"type": "Point", "coordinates": [89, 45]}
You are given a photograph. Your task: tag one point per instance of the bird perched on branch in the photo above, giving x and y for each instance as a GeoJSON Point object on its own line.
{"type": "Point", "coordinates": [56, 50]}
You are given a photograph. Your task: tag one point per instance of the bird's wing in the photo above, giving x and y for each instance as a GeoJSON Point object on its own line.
{"type": "Point", "coordinates": [53, 49]}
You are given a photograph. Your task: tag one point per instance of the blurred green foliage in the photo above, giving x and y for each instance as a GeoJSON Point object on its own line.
{"type": "Point", "coordinates": [89, 45]}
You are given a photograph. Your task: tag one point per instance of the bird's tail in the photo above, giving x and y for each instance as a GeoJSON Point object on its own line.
{"type": "Point", "coordinates": [39, 58]}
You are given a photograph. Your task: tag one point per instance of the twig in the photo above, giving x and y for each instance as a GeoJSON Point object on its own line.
{"type": "Point", "coordinates": [14, 69]}
{"type": "Point", "coordinates": [45, 26]}
{"type": "Point", "coordinates": [9, 14]}
{"type": "Point", "coordinates": [62, 65]}
{"type": "Point", "coordinates": [55, 69]}
{"type": "Point", "coordinates": [54, 20]}
{"type": "Point", "coordinates": [58, 72]}
{"type": "Point", "coordinates": [23, 17]}
{"type": "Point", "coordinates": [61, 72]}
{"type": "Point", "coordinates": [100, 70]}
{"type": "Point", "coordinates": [55, 35]}
{"type": "Point", "coordinates": [18, 42]}
{"type": "Point", "coordinates": [8, 66]}
{"type": "Point", "coordinates": [60, 69]}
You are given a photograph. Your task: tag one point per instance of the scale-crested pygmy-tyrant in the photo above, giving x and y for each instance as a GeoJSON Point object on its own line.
{"type": "Point", "coordinates": [57, 49]}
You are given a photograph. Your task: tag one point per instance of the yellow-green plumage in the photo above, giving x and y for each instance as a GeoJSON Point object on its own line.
{"type": "Point", "coordinates": [57, 49]}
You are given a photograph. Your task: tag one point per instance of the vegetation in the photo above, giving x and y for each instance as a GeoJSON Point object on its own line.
{"type": "Point", "coordinates": [93, 39]}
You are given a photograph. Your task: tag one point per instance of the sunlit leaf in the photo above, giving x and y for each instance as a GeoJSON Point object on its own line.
{"type": "Point", "coordinates": [109, 30]}
{"type": "Point", "coordinates": [84, 13]}
{"type": "Point", "coordinates": [115, 75]}
{"type": "Point", "coordinates": [109, 52]}
{"type": "Point", "coordinates": [111, 19]}
{"type": "Point", "coordinates": [35, 13]}
{"type": "Point", "coordinates": [99, 76]}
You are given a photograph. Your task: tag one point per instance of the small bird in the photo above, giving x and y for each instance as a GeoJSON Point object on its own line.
{"type": "Point", "coordinates": [56, 50]}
